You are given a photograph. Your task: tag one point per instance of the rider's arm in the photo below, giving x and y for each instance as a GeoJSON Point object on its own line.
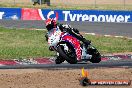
{"type": "Point", "coordinates": [61, 27]}
{"type": "Point", "coordinates": [76, 30]}
{"type": "Point", "coordinates": [67, 28]}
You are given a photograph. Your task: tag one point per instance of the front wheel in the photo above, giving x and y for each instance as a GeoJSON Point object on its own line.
{"type": "Point", "coordinates": [59, 60]}
{"type": "Point", "coordinates": [96, 57]}
{"type": "Point", "coordinates": [69, 55]}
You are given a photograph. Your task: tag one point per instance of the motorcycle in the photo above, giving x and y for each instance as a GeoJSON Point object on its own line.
{"type": "Point", "coordinates": [69, 48]}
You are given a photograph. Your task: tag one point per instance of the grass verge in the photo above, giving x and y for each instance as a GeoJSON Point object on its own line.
{"type": "Point", "coordinates": [71, 7]}
{"type": "Point", "coordinates": [19, 43]}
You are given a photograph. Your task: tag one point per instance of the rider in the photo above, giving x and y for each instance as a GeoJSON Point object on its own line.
{"type": "Point", "coordinates": [51, 23]}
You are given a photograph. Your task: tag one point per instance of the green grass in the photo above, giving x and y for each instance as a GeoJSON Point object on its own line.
{"type": "Point", "coordinates": [93, 7]}
{"type": "Point", "coordinates": [111, 44]}
{"type": "Point", "coordinates": [72, 7]}
{"type": "Point", "coordinates": [20, 43]}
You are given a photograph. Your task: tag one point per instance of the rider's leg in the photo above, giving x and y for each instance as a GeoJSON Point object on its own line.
{"type": "Point", "coordinates": [81, 38]}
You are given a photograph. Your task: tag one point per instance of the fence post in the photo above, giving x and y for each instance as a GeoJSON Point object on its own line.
{"type": "Point", "coordinates": [124, 1]}
{"type": "Point", "coordinates": [14, 2]}
{"type": "Point", "coordinates": [95, 4]}
{"type": "Point", "coordinates": [40, 2]}
{"type": "Point", "coordinates": [48, 2]}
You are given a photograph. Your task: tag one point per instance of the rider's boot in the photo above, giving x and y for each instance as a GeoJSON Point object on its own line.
{"type": "Point", "coordinates": [86, 42]}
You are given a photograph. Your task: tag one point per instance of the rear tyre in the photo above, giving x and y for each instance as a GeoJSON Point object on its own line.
{"type": "Point", "coordinates": [69, 56]}
{"type": "Point", "coordinates": [96, 57]}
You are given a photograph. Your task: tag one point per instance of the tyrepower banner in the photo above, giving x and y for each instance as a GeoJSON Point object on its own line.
{"type": "Point", "coordinates": [10, 13]}
{"type": "Point", "coordinates": [77, 15]}
{"type": "Point", "coordinates": [31, 14]}
{"type": "Point", "coordinates": [97, 16]}
{"type": "Point", "coordinates": [66, 15]}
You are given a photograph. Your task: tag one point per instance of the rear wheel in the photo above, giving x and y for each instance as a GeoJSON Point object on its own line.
{"type": "Point", "coordinates": [96, 57]}
{"type": "Point", "coordinates": [69, 55]}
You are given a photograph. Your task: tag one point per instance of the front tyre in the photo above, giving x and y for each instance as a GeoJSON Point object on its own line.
{"type": "Point", "coordinates": [96, 57]}
{"type": "Point", "coordinates": [59, 60]}
{"type": "Point", "coordinates": [69, 56]}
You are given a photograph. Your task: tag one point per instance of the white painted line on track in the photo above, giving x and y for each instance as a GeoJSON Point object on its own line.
{"type": "Point", "coordinates": [130, 38]}
{"type": "Point", "coordinates": [90, 33]}
{"type": "Point", "coordinates": [119, 36]}
{"type": "Point", "coordinates": [107, 35]}
{"type": "Point", "coordinates": [39, 29]}
{"type": "Point", "coordinates": [97, 34]}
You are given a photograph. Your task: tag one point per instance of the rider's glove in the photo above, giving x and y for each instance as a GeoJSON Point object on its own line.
{"type": "Point", "coordinates": [61, 27]}
{"type": "Point", "coordinates": [65, 28]}
{"type": "Point", "coordinates": [75, 30]}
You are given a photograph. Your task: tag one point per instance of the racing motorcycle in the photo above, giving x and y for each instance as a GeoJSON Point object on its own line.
{"type": "Point", "coordinates": [69, 48]}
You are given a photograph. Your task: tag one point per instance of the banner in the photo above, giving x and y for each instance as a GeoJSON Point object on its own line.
{"type": "Point", "coordinates": [88, 15]}
{"type": "Point", "coordinates": [10, 13]}
{"type": "Point", "coordinates": [77, 15]}
{"type": "Point", "coordinates": [31, 14]}
{"type": "Point", "coordinates": [66, 15]}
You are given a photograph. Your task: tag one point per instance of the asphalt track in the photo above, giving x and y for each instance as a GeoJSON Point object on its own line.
{"type": "Point", "coordinates": [115, 29]}
{"type": "Point", "coordinates": [122, 63]}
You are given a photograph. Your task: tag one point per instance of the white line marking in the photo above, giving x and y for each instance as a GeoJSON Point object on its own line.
{"type": "Point", "coordinates": [90, 33]}
{"type": "Point", "coordinates": [119, 36]}
{"type": "Point", "coordinates": [39, 29]}
{"type": "Point", "coordinates": [107, 35]}
{"type": "Point", "coordinates": [97, 34]}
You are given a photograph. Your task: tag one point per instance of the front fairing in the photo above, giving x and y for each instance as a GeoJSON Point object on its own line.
{"type": "Point", "coordinates": [54, 36]}
{"type": "Point", "coordinates": [74, 42]}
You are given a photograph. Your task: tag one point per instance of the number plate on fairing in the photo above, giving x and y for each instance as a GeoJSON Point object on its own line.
{"type": "Point", "coordinates": [54, 36]}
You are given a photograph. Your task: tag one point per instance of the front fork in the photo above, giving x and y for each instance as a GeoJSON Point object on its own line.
{"type": "Point", "coordinates": [65, 48]}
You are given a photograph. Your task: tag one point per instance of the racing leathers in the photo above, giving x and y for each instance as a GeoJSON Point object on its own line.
{"type": "Point", "coordinates": [72, 31]}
